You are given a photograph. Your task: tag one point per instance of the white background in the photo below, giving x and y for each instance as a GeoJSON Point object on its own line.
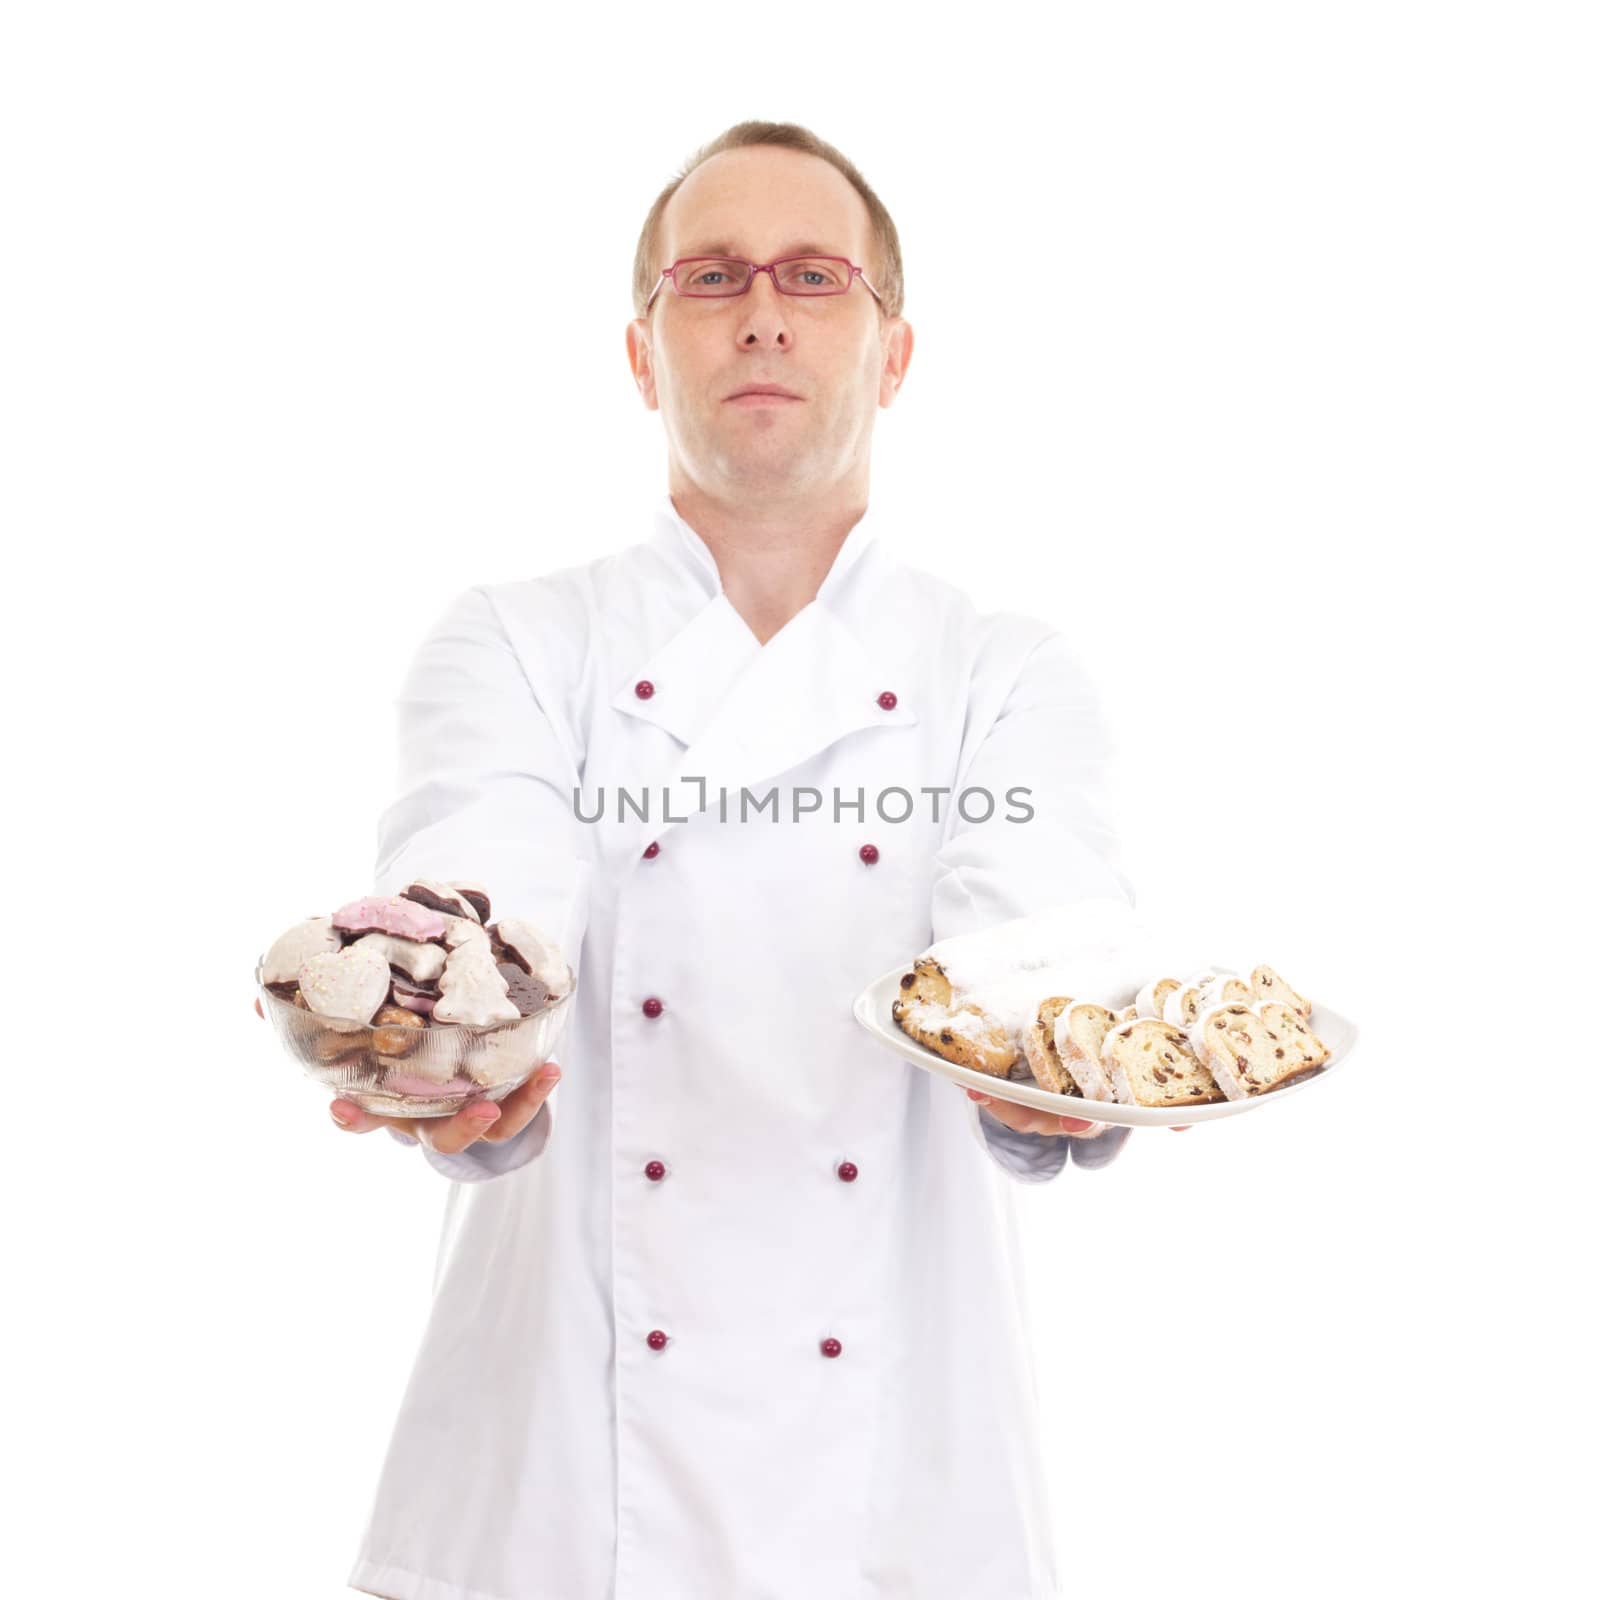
{"type": "Point", "coordinates": [1256, 346]}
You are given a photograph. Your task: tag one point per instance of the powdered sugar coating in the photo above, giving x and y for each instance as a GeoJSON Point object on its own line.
{"type": "Point", "coordinates": [1089, 1074]}
{"type": "Point", "coordinates": [931, 1018]}
{"type": "Point", "coordinates": [1096, 949]}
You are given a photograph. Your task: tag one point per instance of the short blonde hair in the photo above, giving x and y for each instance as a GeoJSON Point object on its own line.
{"type": "Point", "coordinates": [888, 278]}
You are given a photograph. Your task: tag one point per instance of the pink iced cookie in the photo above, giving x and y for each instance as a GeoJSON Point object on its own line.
{"type": "Point", "coordinates": [405, 919]}
{"type": "Point", "coordinates": [410, 1083]}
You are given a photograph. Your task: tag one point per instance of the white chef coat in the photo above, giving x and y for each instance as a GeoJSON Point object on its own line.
{"type": "Point", "coordinates": [745, 1173]}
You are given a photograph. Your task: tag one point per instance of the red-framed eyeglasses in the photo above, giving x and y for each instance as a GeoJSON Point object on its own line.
{"type": "Point", "coordinates": [804, 276]}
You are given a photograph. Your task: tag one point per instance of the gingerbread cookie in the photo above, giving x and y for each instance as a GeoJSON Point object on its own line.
{"type": "Point", "coordinates": [441, 897]}
{"type": "Point", "coordinates": [422, 963]}
{"type": "Point", "coordinates": [313, 937]}
{"type": "Point", "coordinates": [517, 940]}
{"type": "Point", "coordinates": [405, 919]}
{"type": "Point", "coordinates": [346, 985]}
{"type": "Point", "coordinates": [471, 990]}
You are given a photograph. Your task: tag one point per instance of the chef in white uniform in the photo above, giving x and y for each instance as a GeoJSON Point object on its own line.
{"type": "Point", "coordinates": [734, 1312]}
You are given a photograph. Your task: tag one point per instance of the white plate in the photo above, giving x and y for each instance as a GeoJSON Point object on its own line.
{"type": "Point", "coordinates": [872, 1011]}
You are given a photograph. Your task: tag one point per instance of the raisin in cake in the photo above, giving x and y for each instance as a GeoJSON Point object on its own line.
{"type": "Point", "coordinates": [1039, 1046]}
{"type": "Point", "coordinates": [1253, 1048]}
{"type": "Point", "coordinates": [1151, 1063]}
{"type": "Point", "coordinates": [1080, 1032]}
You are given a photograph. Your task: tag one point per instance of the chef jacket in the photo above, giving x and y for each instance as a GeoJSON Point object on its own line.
{"type": "Point", "coordinates": [751, 1325]}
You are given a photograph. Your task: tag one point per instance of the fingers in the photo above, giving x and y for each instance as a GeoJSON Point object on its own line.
{"type": "Point", "coordinates": [449, 1136]}
{"type": "Point", "coordinates": [1026, 1120]}
{"type": "Point", "coordinates": [521, 1106]}
{"type": "Point", "coordinates": [1082, 1128]}
{"type": "Point", "coordinates": [349, 1116]}
{"type": "Point", "coordinates": [259, 1012]}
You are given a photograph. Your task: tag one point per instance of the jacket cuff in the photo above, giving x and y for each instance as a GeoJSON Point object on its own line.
{"type": "Point", "coordinates": [482, 1161]}
{"type": "Point", "coordinates": [1101, 1150]}
{"type": "Point", "coordinates": [1027, 1157]}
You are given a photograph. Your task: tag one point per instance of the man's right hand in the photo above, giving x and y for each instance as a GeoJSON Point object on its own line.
{"type": "Point", "coordinates": [494, 1122]}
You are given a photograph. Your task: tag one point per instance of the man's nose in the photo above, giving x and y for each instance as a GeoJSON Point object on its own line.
{"type": "Point", "coordinates": [766, 312]}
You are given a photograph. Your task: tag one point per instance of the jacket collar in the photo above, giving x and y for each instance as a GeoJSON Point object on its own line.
{"type": "Point", "coordinates": [672, 533]}
{"type": "Point", "coordinates": [744, 712]}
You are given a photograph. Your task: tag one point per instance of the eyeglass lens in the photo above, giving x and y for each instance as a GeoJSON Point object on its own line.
{"type": "Point", "coordinates": [712, 279]}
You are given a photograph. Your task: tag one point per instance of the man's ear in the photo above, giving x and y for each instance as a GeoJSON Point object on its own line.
{"type": "Point", "coordinates": [644, 373]}
{"type": "Point", "coordinates": [897, 342]}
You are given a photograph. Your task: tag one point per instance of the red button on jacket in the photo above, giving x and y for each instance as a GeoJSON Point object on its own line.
{"type": "Point", "coordinates": [868, 853]}
{"type": "Point", "coordinates": [657, 1339]}
{"type": "Point", "coordinates": [888, 700]}
{"type": "Point", "coordinates": [830, 1347]}
{"type": "Point", "coordinates": [652, 1007]}
{"type": "Point", "coordinates": [847, 1171]}
{"type": "Point", "coordinates": [644, 688]}
{"type": "Point", "coordinates": [654, 1171]}
{"type": "Point", "coordinates": [652, 850]}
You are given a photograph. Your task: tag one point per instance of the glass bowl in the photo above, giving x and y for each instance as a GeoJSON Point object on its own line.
{"type": "Point", "coordinates": [432, 1071]}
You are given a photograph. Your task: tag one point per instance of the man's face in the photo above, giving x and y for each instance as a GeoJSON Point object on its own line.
{"type": "Point", "coordinates": [837, 353]}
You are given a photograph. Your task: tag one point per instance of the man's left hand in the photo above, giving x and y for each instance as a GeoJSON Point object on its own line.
{"type": "Point", "coordinates": [1026, 1120]}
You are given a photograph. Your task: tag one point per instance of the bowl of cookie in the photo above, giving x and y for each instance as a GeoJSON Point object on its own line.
{"type": "Point", "coordinates": [417, 1004]}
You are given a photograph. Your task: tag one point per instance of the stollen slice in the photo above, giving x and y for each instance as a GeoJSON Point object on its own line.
{"type": "Point", "coordinates": [1151, 1000]}
{"type": "Point", "coordinates": [1080, 1033]}
{"type": "Point", "coordinates": [1265, 984]}
{"type": "Point", "coordinates": [1248, 1053]}
{"type": "Point", "coordinates": [962, 1034]}
{"type": "Point", "coordinates": [1150, 1063]}
{"type": "Point", "coordinates": [1039, 1046]}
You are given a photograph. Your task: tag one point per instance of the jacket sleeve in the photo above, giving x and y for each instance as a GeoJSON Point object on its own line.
{"type": "Point", "coordinates": [1040, 731]}
{"type": "Point", "coordinates": [486, 773]}
{"type": "Point", "coordinates": [481, 1161]}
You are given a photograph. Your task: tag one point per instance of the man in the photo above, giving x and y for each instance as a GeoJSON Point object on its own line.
{"type": "Point", "coordinates": [750, 1325]}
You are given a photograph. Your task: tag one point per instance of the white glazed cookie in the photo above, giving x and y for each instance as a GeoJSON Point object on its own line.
{"type": "Point", "coordinates": [422, 963]}
{"type": "Point", "coordinates": [1150, 1063]}
{"type": "Point", "coordinates": [441, 897]}
{"type": "Point", "coordinates": [524, 946]}
{"type": "Point", "coordinates": [475, 895]}
{"type": "Point", "coordinates": [313, 937]}
{"type": "Point", "coordinates": [471, 990]}
{"type": "Point", "coordinates": [346, 985]}
{"type": "Point", "coordinates": [1246, 1053]}
{"type": "Point", "coordinates": [1081, 1031]}
{"type": "Point", "coordinates": [459, 931]}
